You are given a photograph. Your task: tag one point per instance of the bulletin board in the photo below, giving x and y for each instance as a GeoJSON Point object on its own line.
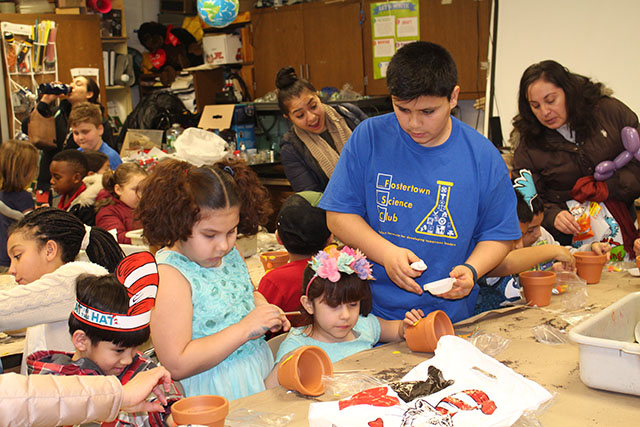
{"type": "Point", "coordinates": [77, 43]}
{"type": "Point", "coordinates": [393, 24]}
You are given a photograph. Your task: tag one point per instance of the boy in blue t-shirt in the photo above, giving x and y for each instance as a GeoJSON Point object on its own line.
{"type": "Point", "coordinates": [85, 121]}
{"type": "Point", "coordinates": [420, 185]}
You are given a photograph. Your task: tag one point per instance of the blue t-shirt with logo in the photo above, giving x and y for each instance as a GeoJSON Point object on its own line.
{"type": "Point", "coordinates": [439, 202]}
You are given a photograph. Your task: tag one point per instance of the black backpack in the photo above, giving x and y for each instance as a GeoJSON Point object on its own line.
{"type": "Point", "coordinates": [158, 110]}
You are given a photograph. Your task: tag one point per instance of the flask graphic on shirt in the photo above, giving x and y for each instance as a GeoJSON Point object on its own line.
{"type": "Point", "coordinates": [438, 221]}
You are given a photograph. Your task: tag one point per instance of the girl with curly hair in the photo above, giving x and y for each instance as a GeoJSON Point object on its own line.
{"type": "Point", "coordinates": [209, 322]}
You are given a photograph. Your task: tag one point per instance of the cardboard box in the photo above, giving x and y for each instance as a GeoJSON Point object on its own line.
{"type": "Point", "coordinates": [230, 116]}
{"type": "Point", "coordinates": [222, 49]}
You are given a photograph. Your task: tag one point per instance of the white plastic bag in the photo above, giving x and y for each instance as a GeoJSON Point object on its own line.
{"type": "Point", "coordinates": [200, 147]}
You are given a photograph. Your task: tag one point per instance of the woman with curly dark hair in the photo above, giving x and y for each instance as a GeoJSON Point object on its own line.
{"type": "Point", "coordinates": [567, 125]}
{"type": "Point", "coordinates": [208, 321]}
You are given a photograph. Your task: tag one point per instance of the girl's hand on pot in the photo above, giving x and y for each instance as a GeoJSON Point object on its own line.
{"type": "Point", "coordinates": [411, 318]}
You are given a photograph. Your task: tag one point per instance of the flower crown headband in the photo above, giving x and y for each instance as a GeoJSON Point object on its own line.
{"type": "Point", "coordinates": [329, 263]}
{"type": "Point", "coordinates": [139, 274]}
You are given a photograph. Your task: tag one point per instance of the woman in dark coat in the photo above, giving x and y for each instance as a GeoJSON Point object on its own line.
{"type": "Point", "coordinates": [310, 150]}
{"type": "Point", "coordinates": [567, 126]}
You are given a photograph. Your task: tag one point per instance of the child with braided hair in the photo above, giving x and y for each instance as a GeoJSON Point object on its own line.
{"type": "Point", "coordinates": [43, 247]}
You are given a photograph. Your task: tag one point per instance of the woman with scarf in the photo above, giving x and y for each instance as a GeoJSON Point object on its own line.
{"type": "Point", "coordinates": [310, 150]}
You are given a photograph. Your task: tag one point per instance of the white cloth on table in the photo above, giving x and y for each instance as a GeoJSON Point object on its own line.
{"type": "Point", "coordinates": [493, 395]}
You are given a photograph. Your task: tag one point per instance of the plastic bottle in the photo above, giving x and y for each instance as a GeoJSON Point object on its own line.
{"type": "Point", "coordinates": [171, 135]}
{"type": "Point", "coordinates": [55, 89]}
{"type": "Point", "coordinates": [10, 50]}
{"type": "Point", "coordinates": [243, 154]}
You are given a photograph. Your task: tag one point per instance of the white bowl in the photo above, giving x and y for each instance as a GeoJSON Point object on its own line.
{"type": "Point", "coordinates": [439, 286]}
{"type": "Point", "coordinates": [136, 237]}
{"type": "Point", "coordinates": [419, 265]}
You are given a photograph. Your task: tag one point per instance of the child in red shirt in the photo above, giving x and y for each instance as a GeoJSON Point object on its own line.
{"type": "Point", "coordinates": [69, 179]}
{"type": "Point", "coordinates": [302, 229]}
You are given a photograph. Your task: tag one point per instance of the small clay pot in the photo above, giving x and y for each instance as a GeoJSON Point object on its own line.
{"type": "Point", "coordinates": [538, 286]}
{"type": "Point", "coordinates": [273, 259]}
{"type": "Point", "coordinates": [208, 410]}
{"type": "Point", "coordinates": [424, 336]}
{"type": "Point", "coordinates": [302, 370]}
{"type": "Point", "coordinates": [589, 265]}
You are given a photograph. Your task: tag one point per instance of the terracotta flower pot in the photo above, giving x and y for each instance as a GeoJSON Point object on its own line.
{"type": "Point", "coordinates": [589, 265]}
{"type": "Point", "coordinates": [424, 336]}
{"type": "Point", "coordinates": [537, 286]}
{"type": "Point", "coordinates": [205, 410]}
{"type": "Point", "coordinates": [273, 259]}
{"type": "Point", "coordinates": [302, 371]}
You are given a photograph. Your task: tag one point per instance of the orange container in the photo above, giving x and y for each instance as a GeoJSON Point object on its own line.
{"type": "Point", "coordinates": [273, 259]}
{"type": "Point", "coordinates": [424, 336]}
{"type": "Point", "coordinates": [207, 410]}
{"type": "Point", "coordinates": [303, 369]}
{"type": "Point", "coordinates": [589, 265]}
{"type": "Point", "coordinates": [537, 286]}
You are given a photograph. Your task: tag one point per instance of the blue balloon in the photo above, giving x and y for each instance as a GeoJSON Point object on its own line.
{"type": "Point", "coordinates": [218, 13]}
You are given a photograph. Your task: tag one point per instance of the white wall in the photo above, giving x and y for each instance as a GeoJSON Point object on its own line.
{"type": "Point", "coordinates": [137, 12]}
{"type": "Point", "coordinates": [595, 38]}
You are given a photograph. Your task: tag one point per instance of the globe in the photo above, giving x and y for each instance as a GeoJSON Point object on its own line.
{"type": "Point", "coordinates": [218, 13]}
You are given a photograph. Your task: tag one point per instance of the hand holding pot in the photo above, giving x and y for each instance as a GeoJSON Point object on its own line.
{"type": "Point", "coordinates": [411, 318]}
{"type": "Point", "coordinates": [424, 336]}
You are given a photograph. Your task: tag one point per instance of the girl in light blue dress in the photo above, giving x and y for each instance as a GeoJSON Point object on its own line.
{"type": "Point", "coordinates": [208, 323]}
{"type": "Point", "coordinates": [337, 303]}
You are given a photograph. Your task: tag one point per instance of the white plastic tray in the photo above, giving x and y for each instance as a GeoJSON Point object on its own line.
{"type": "Point", "coordinates": [609, 355]}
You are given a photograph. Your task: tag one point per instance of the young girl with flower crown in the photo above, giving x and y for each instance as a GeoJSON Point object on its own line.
{"type": "Point", "coordinates": [337, 301]}
{"type": "Point", "coordinates": [208, 323]}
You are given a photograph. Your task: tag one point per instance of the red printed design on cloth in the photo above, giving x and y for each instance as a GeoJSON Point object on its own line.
{"type": "Point", "coordinates": [376, 423]}
{"type": "Point", "coordinates": [373, 396]}
{"type": "Point", "coordinates": [466, 400]}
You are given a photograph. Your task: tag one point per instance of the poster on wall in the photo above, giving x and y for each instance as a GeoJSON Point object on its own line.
{"type": "Point", "coordinates": [393, 24]}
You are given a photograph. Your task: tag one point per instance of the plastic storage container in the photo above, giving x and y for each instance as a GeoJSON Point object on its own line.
{"type": "Point", "coordinates": [609, 355]}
